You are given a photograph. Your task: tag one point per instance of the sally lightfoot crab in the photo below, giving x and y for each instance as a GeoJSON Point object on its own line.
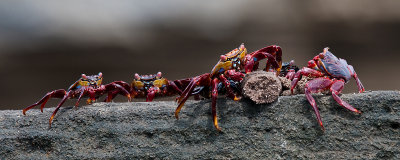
{"type": "Point", "coordinates": [152, 85]}
{"type": "Point", "coordinates": [330, 73]}
{"type": "Point", "coordinates": [227, 75]}
{"type": "Point", "coordinates": [86, 86]}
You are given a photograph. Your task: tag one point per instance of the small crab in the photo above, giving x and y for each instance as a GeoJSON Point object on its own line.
{"type": "Point", "coordinates": [330, 73]}
{"type": "Point", "coordinates": [227, 75]}
{"type": "Point", "coordinates": [86, 86]}
{"type": "Point", "coordinates": [152, 85]}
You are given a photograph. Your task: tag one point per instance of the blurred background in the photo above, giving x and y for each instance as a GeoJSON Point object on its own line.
{"type": "Point", "coordinates": [46, 45]}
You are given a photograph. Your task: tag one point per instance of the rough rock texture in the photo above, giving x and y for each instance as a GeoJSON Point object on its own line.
{"type": "Point", "coordinates": [264, 87]}
{"type": "Point", "coordinates": [261, 87]}
{"type": "Point", "coordinates": [284, 129]}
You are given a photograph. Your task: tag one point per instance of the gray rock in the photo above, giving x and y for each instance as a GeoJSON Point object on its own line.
{"type": "Point", "coordinates": [284, 129]}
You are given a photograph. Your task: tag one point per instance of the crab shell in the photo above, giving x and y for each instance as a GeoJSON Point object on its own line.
{"type": "Point", "coordinates": [156, 80]}
{"type": "Point", "coordinates": [333, 66]}
{"type": "Point", "coordinates": [231, 60]}
{"type": "Point", "coordinates": [85, 81]}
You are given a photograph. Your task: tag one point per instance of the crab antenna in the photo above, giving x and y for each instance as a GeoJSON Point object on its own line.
{"type": "Point", "coordinates": [326, 49]}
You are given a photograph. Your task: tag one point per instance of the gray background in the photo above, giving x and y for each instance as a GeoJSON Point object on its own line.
{"type": "Point", "coordinates": [46, 45]}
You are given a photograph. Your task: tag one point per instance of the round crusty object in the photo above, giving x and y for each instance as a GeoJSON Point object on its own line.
{"type": "Point", "coordinates": [261, 87]}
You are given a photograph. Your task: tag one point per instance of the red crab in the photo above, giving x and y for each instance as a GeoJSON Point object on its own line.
{"type": "Point", "coordinates": [150, 86]}
{"type": "Point", "coordinates": [227, 74]}
{"type": "Point", "coordinates": [331, 73]}
{"type": "Point", "coordinates": [86, 86]}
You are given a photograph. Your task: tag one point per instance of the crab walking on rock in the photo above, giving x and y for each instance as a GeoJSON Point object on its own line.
{"type": "Point", "coordinates": [227, 75]}
{"type": "Point", "coordinates": [152, 85]}
{"type": "Point", "coordinates": [330, 73]}
{"type": "Point", "coordinates": [86, 86]}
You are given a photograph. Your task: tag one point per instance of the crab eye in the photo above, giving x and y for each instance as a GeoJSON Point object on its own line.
{"type": "Point", "coordinates": [84, 76]}
{"type": "Point", "coordinates": [322, 55]}
{"type": "Point", "coordinates": [291, 63]}
{"type": "Point", "coordinates": [223, 58]}
{"type": "Point", "coordinates": [137, 77]}
{"type": "Point", "coordinates": [159, 75]}
{"type": "Point", "coordinates": [100, 75]}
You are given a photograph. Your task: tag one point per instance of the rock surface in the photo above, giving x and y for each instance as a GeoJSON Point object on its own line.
{"type": "Point", "coordinates": [284, 129]}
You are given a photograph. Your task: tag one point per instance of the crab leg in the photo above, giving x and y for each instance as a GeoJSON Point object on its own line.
{"type": "Point", "coordinates": [304, 71]}
{"type": "Point", "coordinates": [202, 80]}
{"type": "Point", "coordinates": [53, 94]}
{"type": "Point", "coordinates": [66, 96]}
{"type": "Point", "coordinates": [336, 88]}
{"type": "Point", "coordinates": [314, 86]}
{"type": "Point", "coordinates": [151, 93]}
{"type": "Point", "coordinates": [174, 87]}
{"type": "Point", "coordinates": [182, 83]}
{"type": "Point", "coordinates": [185, 95]}
{"type": "Point", "coordinates": [354, 74]}
{"type": "Point", "coordinates": [214, 95]}
{"type": "Point", "coordinates": [228, 88]}
{"type": "Point", "coordinates": [83, 91]}
{"type": "Point", "coordinates": [290, 74]}
{"type": "Point", "coordinates": [114, 88]}
{"type": "Point", "coordinates": [111, 96]}
{"type": "Point", "coordinates": [274, 55]}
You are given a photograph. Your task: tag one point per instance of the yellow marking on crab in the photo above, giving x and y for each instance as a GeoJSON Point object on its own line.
{"type": "Point", "coordinates": [224, 65]}
{"type": "Point", "coordinates": [99, 82]}
{"type": "Point", "coordinates": [83, 83]}
{"type": "Point", "coordinates": [137, 84]}
{"type": "Point", "coordinates": [160, 82]}
{"type": "Point", "coordinates": [227, 65]}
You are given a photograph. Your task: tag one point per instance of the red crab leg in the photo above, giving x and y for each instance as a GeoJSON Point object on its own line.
{"type": "Point", "coordinates": [182, 83]}
{"type": "Point", "coordinates": [185, 95]}
{"type": "Point", "coordinates": [304, 71]}
{"type": "Point", "coordinates": [83, 91]}
{"type": "Point", "coordinates": [66, 96]}
{"type": "Point", "coordinates": [53, 94]}
{"type": "Point", "coordinates": [214, 95]}
{"type": "Point", "coordinates": [336, 88]}
{"type": "Point", "coordinates": [354, 74]}
{"type": "Point", "coordinates": [174, 87]}
{"type": "Point", "coordinates": [111, 96]}
{"type": "Point", "coordinates": [228, 88]}
{"type": "Point", "coordinates": [290, 74]}
{"type": "Point", "coordinates": [274, 55]}
{"type": "Point", "coordinates": [92, 96]}
{"type": "Point", "coordinates": [262, 55]}
{"type": "Point", "coordinates": [114, 88]}
{"type": "Point", "coordinates": [251, 64]}
{"type": "Point", "coordinates": [151, 93]}
{"type": "Point", "coordinates": [203, 80]}
{"type": "Point", "coordinates": [234, 75]}
{"type": "Point", "coordinates": [315, 86]}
